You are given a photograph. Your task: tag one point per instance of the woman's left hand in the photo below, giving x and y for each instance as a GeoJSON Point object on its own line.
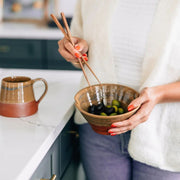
{"type": "Point", "coordinates": [147, 100]}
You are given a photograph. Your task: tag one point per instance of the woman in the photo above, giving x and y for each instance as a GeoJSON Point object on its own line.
{"type": "Point", "coordinates": [135, 43]}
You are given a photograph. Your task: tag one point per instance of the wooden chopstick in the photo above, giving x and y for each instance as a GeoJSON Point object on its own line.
{"type": "Point", "coordinates": [91, 70]}
{"type": "Point", "coordinates": [59, 26]}
{"type": "Point", "coordinates": [69, 37]}
{"type": "Point", "coordinates": [67, 28]}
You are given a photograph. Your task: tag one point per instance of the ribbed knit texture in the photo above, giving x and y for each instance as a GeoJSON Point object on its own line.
{"type": "Point", "coordinates": [131, 24]}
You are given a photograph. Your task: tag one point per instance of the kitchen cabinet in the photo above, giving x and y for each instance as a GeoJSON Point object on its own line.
{"type": "Point", "coordinates": [62, 158]}
{"type": "Point", "coordinates": [54, 59]}
{"type": "Point", "coordinates": [32, 54]}
{"type": "Point", "coordinates": [20, 54]}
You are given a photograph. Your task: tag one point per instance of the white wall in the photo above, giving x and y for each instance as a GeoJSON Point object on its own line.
{"type": "Point", "coordinates": [66, 6]}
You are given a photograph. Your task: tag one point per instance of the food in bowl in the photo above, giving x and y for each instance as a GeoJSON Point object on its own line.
{"type": "Point", "coordinates": [107, 110]}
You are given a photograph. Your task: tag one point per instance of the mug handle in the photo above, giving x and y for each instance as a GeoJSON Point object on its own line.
{"type": "Point", "coordinates": [46, 88]}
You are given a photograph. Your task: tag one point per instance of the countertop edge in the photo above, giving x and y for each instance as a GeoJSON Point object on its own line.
{"type": "Point", "coordinates": [28, 171]}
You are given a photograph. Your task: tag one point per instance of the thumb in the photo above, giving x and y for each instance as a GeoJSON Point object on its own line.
{"type": "Point", "coordinates": [78, 47]}
{"type": "Point", "coordinates": [135, 103]}
{"type": "Point", "coordinates": [81, 46]}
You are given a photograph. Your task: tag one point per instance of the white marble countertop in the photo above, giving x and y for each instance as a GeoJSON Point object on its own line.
{"type": "Point", "coordinates": [28, 31]}
{"type": "Point", "coordinates": [25, 141]}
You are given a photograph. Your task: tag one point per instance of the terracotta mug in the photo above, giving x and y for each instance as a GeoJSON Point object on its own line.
{"type": "Point", "coordinates": [17, 96]}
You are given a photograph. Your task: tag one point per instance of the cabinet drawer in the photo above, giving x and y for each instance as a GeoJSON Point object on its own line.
{"type": "Point", "coordinates": [66, 147]}
{"type": "Point", "coordinates": [54, 59]}
{"type": "Point", "coordinates": [20, 49]}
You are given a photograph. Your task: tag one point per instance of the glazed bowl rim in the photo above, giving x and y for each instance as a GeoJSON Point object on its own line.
{"type": "Point", "coordinates": [99, 116]}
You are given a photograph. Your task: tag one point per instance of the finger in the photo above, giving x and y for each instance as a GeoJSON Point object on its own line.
{"type": "Point", "coordinates": [121, 123]}
{"type": "Point", "coordinates": [130, 127]}
{"type": "Point", "coordinates": [120, 129]}
{"type": "Point", "coordinates": [75, 40]}
{"type": "Point", "coordinates": [85, 58]}
{"type": "Point", "coordinates": [85, 55]}
{"type": "Point", "coordinates": [145, 96]}
{"type": "Point", "coordinates": [140, 115]}
{"type": "Point", "coordinates": [136, 103]}
{"type": "Point", "coordinates": [66, 55]}
{"type": "Point", "coordinates": [117, 133]}
{"type": "Point", "coordinates": [69, 47]}
{"type": "Point", "coordinates": [123, 128]}
{"type": "Point", "coordinates": [82, 46]}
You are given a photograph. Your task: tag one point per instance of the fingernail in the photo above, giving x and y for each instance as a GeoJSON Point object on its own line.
{"type": "Point", "coordinates": [113, 126]}
{"type": "Point", "coordinates": [130, 108]}
{"type": "Point", "coordinates": [77, 55]}
{"type": "Point", "coordinates": [85, 58]}
{"type": "Point", "coordinates": [113, 134]}
{"type": "Point", "coordinates": [77, 47]}
{"type": "Point", "coordinates": [110, 132]}
{"type": "Point", "coordinates": [85, 55]}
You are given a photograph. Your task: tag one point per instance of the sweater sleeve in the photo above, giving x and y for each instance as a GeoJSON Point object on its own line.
{"type": "Point", "coordinates": [77, 23]}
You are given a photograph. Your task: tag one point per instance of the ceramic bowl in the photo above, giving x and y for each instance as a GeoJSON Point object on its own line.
{"type": "Point", "coordinates": [106, 93]}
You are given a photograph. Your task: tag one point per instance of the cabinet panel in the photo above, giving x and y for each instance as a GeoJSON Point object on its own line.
{"type": "Point", "coordinates": [54, 59]}
{"type": "Point", "coordinates": [24, 63]}
{"type": "Point", "coordinates": [59, 156]}
{"type": "Point", "coordinates": [20, 54]}
{"type": "Point", "coordinates": [66, 150]}
{"type": "Point", "coordinates": [55, 159]}
{"type": "Point", "coordinates": [20, 49]}
{"type": "Point", "coordinates": [71, 172]}
{"type": "Point", "coordinates": [44, 169]}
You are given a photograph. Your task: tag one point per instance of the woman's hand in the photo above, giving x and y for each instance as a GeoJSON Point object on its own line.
{"type": "Point", "coordinates": [70, 53]}
{"type": "Point", "coordinates": [147, 100]}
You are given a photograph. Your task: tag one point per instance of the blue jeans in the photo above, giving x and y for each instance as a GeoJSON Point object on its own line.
{"type": "Point", "coordinates": [106, 158]}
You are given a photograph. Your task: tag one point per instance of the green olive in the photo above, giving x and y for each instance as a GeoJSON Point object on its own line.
{"type": "Point", "coordinates": [103, 114]}
{"type": "Point", "coordinates": [115, 103]}
{"type": "Point", "coordinates": [115, 109]}
{"type": "Point", "coordinates": [113, 114]}
{"type": "Point", "coordinates": [121, 110]}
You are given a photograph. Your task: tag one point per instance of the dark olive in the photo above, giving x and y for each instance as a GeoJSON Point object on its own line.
{"type": "Point", "coordinates": [91, 109]}
{"type": "Point", "coordinates": [109, 110]}
{"type": "Point", "coordinates": [99, 108]}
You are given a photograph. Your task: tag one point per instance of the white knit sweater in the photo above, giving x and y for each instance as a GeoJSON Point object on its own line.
{"type": "Point", "coordinates": [131, 23]}
{"type": "Point", "coordinates": [157, 141]}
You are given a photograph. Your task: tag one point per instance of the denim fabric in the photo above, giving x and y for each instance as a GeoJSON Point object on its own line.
{"type": "Point", "coordinates": [106, 158]}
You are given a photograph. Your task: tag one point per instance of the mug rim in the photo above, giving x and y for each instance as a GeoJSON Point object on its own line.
{"type": "Point", "coordinates": [9, 79]}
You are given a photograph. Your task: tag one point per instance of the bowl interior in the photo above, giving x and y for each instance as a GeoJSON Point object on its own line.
{"type": "Point", "coordinates": [106, 92]}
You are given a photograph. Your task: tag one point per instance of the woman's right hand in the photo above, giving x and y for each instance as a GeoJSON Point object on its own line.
{"type": "Point", "coordinates": [70, 53]}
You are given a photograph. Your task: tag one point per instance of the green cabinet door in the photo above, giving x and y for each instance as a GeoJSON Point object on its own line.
{"type": "Point", "coordinates": [61, 158]}
{"type": "Point", "coordinates": [20, 53]}
{"type": "Point", "coordinates": [44, 169]}
{"type": "Point", "coordinates": [54, 59]}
